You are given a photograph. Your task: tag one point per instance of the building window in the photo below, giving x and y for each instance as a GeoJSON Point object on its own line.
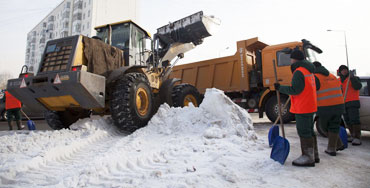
{"type": "Point", "coordinates": [88, 13]}
{"type": "Point", "coordinates": [88, 25]}
{"type": "Point", "coordinates": [85, 5]}
{"type": "Point", "coordinates": [68, 4]}
{"type": "Point", "coordinates": [83, 16]}
{"type": "Point", "coordinates": [89, 2]}
{"type": "Point", "coordinates": [83, 27]}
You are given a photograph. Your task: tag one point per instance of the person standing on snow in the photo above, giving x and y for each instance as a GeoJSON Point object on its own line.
{"type": "Point", "coordinates": [352, 104]}
{"type": "Point", "coordinates": [303, 105]}
{"type": "Point", "coordinates": [13, 109]}
{"type": "Point", "coordinates": [330, 104]}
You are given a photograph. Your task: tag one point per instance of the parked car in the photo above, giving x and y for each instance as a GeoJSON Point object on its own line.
{"type": "Point", "coordinates": [364, 110]}
{"type": "Point", "coordinates": [30, 113]}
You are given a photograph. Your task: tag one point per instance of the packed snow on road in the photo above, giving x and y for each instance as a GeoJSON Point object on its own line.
{"type": "Point", "coordinates": [214, 145]}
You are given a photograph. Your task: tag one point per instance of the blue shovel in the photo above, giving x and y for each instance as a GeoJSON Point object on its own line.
{"type": "Point", "coordinates": [30, 123]}
{"type": "Point", "coordinates": [281, 147]}
{"type": "Point", "coordinates": [274, 130]}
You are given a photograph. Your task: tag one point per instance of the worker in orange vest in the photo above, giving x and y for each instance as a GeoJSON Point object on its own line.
{"type": "Point", "coordinates": [352, 104]}
{"type": "Point", "coordinates": [330, 107]}
{"type": "Point", "coordinates": [13, 109]}
{"type": "Point", "coordinates": [304, 105]}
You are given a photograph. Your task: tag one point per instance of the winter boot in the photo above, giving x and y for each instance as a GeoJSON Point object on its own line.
{"type": "Point", "coordinates": [10, 124]}
{"type": "Point", "coordinates": [332, 144]}
{"type": "Point", "coordinates": [316, 150]}
{"type": "Point", "coordinates": [340, 145]}
{"type": "Point", "coordinates": [357, 135]}
{"type": "Point", "coordinates": [19, 125]}
{"type": "Point", "coordinates": [307, 158]}
{"type": "Point", "coordinates": [350, 136]}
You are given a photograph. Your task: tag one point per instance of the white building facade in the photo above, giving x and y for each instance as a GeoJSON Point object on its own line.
{"type": "Point", "coordinates": [74, 17]}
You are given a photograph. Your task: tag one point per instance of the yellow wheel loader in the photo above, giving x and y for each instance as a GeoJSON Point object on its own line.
{"type": "Point", "coordinates": [121, 71]}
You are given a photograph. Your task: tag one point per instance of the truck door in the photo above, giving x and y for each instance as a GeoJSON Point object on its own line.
{"type": "Point", "coordinates": [283, 68]}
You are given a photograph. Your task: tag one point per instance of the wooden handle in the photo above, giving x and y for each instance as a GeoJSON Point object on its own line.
{"type": "Point", "coordinates": [278, 99]}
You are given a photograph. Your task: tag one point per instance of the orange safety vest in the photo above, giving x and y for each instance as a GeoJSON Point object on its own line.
{"type": "Point", "coordinates": [305, 102]}
{"type": "Point", "coordinates": [352, 94]}
{"type": "Point", "coordinates": [330, 92]}
{"type": "Point", "coordinates": [11, 102]}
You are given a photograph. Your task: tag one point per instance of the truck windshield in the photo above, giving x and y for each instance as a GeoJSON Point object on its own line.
{"type": "Point", "coordinates": [103, 34]}
{"type": "Point", "coordinates": [311, 55]}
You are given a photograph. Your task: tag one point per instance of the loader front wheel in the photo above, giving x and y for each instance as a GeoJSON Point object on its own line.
{"type": "Point", "coordinates": [63, 119]}
{"type": "Point", "coordinates": [184, 94]}
{"type": "Point", "coordinates": [132, 102]}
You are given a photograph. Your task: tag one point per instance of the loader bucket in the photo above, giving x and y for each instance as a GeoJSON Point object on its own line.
{"type": "Point", "coordinates": [189, 29]}
{"type": "Point", "coordinates": [59, 91]}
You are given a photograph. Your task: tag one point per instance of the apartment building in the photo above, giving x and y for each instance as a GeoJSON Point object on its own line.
{"type": "Point", "coordinates": [74, 17]}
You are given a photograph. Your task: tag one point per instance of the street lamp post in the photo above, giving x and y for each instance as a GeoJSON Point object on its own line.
{"type": "Point", "coordinates": [345, 42]}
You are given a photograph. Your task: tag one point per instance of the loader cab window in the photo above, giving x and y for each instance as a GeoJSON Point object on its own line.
{"type": "Point", "coordinates": [138, 44]}
{"type": "Point", "coordinates": [121, 36]}
{"type": "Point", "coordinates": [103, 34]}
{"type": "Point", "coordinates": [283, 59]}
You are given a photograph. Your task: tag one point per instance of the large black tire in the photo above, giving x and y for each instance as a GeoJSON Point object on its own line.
{"type": "Point", "coordinates": [132, 102]}
{"type": "Point", "coordinates": [63, 119]}
{"type": "Point", "coordinates": [272, 112]}
{"type": "Point", "coordinates": [320, 130]}
{"type": "Point", "coordinates": [3, 115]}
{"type": "Point", "coordinates": [183, 94]}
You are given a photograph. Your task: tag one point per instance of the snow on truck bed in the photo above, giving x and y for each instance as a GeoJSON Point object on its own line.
{"type": "Point", "coordinates": [211, 146]}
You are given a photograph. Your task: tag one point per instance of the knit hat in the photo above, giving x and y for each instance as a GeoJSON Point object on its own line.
{"type": "Point", "coordinates": [297, 54]}
{"type": "Point", "coordinates": [317, 64]}
{"type": "Point", "coordinates": [342, 67]}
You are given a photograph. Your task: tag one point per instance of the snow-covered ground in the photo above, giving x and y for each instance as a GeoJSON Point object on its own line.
{"type": "Point", "coordinates": [214, 145]}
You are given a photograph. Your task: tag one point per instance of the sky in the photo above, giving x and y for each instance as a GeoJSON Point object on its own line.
{"type": "Point", "coordinates": [273, 22]}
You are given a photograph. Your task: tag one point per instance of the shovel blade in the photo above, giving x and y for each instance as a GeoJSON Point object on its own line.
{"type": "Point", "coordinates": [280, 150]}
{"type": "Point", "coordinates": [31, 125]}
{"type": "Point", "coordinates": [343, 136]}
{"type": "Point", "coordinates": [273, 134]}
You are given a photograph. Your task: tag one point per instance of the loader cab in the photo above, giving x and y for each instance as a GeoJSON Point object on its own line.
{"type": "Point", "coordinates": [130, 38]}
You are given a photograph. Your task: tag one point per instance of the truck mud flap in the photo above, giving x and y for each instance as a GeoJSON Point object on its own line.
{"type": "Point", "coordinates": [58, 91]}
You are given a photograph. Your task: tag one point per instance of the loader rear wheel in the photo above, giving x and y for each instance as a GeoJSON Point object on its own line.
{"type": "Point", "coordinates": [184, 94]}
{"type": "Point", "coordinates": [272, 111]}
{"type": "Point", "coordinates": [132, 102]}
{"type": "Point", "coordinates": [63, 119]}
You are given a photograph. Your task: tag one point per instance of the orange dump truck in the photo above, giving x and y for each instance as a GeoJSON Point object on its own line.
{"type": "Point", "coordinates": [247, 77]}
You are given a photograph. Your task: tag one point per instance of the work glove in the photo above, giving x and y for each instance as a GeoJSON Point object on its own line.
{"type": "Point", "coordinates": [277, 86]}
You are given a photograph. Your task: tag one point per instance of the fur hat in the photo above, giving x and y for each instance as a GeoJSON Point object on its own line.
{"type": "Point", "coordinates": [342, 67]}
{"type": "Point", "coordinates": [317, 64]}
{"type": "Point", "coordinates": [297, 54]}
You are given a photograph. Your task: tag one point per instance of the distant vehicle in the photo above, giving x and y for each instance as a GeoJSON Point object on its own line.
{"type": "Point", "coordinates": [365, 106]}
{"type": "Point", "coordinates": [30, 113]}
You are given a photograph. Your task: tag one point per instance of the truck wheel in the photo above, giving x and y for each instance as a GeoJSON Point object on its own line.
{"type": "Point", "coordinates": [132, 102]}
{"type": "Point", "coordinates": [321, 131]}
{"type": "Point", "coordinates": [3, 115]}
{"type": "Point", "coordinates": [183, 94]}
{"type": "Point", "coordinates": [272, 110]}
{"type": "Point", "coordinates": [63, 119]}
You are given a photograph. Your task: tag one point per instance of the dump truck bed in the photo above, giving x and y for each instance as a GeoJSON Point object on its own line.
{"type": "Point", "coordinates": [230, 74]}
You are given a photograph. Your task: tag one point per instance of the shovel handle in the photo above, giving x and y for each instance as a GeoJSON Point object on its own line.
{"type": "Point", "coordinates": [25, 114]}
{"type": "Point", "coordinates": [278, 99]}
{"type": "Point", "coordinates": [286, 104]}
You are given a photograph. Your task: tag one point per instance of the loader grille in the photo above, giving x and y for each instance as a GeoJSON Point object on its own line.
{"type": "Point", "coordinates": [57, 56]}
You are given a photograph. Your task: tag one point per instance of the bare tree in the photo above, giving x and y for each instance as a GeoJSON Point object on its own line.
{"type": "Point", "coordinates": [4, 77]}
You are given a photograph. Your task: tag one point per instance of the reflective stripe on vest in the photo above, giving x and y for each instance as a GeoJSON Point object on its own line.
{"type": "Point", "coordinates": [352, 94]}
{"type": "Point", "coordinates": [305, 102]}
{"type": "Point", "coordinates": [330, 92]}
{"type": "Point", "coordinates": [11, 102]}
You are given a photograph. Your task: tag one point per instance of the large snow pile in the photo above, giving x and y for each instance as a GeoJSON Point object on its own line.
{"type": "Point", "coordinates": [210, 146]}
